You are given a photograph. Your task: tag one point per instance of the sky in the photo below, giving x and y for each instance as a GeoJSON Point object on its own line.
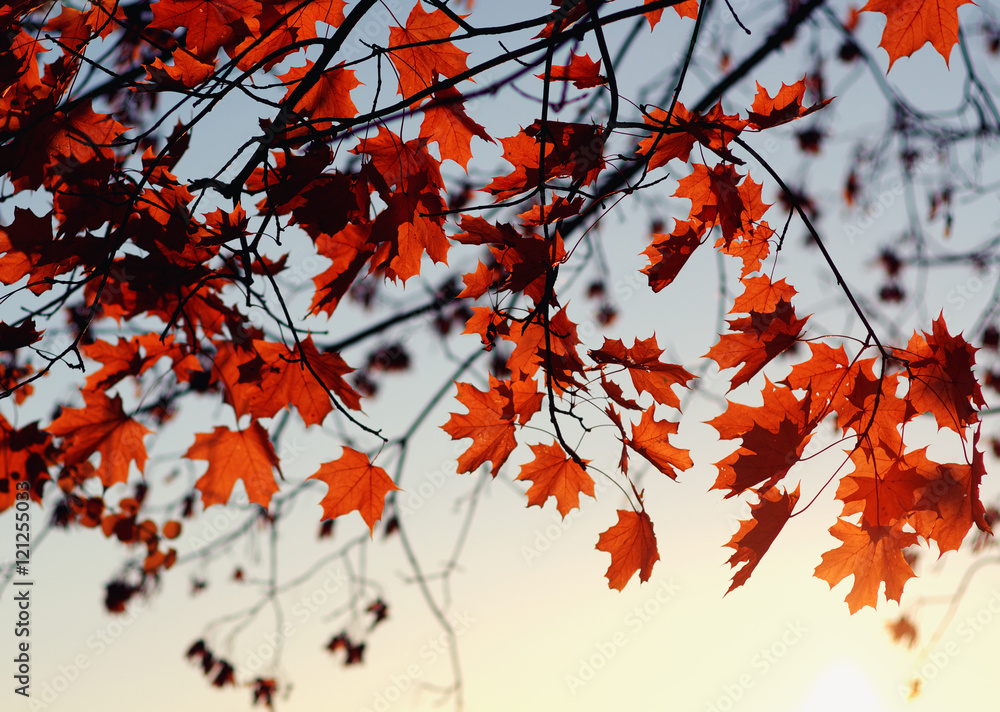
{"type": "Point", "coordinates": [536, 625]}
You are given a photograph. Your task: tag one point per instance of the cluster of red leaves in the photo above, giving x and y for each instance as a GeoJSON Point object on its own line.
{"type": "Point", "coordinates": [147, 255]}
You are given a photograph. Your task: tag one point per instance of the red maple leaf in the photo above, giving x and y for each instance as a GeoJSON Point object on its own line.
{"type": "Point", "coordinates": [910, 24]}
{"type": "Point", "coordinates": [650, 438]}
{"type": "Point", "coordinates": [102, 427]}
{"type": "Point", "coordinates": [354, 484]}
{"type": "Point", "coordinates": [419, 66]}
{"type": "Point", "coordinates": [210, 24]}
{"type": "Point", "coordinates": [489, 422]}
{"type": "Point", "coordinates": [632, 546]}
{"type": "Point", "coordinates": [326, 101]}
{"type": "Point", "coordinates": [246, 455]}
{"type": "Point", "coordinates": [581, 70]}
{"type": "Point", "coordinates": [554, 474]}
{"type": "Point", "coordinates": [755, 536]}
{"type": "Point", "coordinates": [446, 123]}
{"type": "Point", "coordinates": [872, 555]}
{"type": "Point", "coordinates": [941, 377]}
{"type": "Point", "coordinates": [649, 374]}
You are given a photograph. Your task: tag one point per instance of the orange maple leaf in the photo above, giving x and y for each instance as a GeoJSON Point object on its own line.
{"type": "Point", "coordinates": [581, 70]}
{"type": "Point", "coordinates": [632, 545]}
{"type": "Point", "coordinates": [941, 379]}
{"type": "Point", "coordinates": [872, 555]}
{"type": "Point", "coordinates": [418, 67]}
{"type": "Point", "coordinates": [755, 536]}
{"type": "Point", "coordinates": [669, 253]}
{"type": "Point", "coordinates": [246, 455]}
{"type": "Point", "coordinates": [286, 382]}
{"type": "Point", "coordinates": [446, 123]}
{"type": "Point", "coordinates": [354, 484]}
{"type": "Point", "coordinates": [186, 72]}
{"type": "Point", "coordinates": [910, 24]}
{"type": "Point", "coordinates": [649, 374]}
{"type": "Point", "coordinates": [555, 474]}
{"type": "Point", "coordinates": [210, 24]}
{"type": "Point", "coordinates": [650, 438]}
{"type": "Point", "coordinates": [489, 422]}
{"type": "Point", "coordinates": [102, 426]}
{"type": "Point", "coordinates": [785, 106]}
{"type": "Point", "coordinates": [327, 100]}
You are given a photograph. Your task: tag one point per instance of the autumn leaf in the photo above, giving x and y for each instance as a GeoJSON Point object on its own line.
{"type": "Point", "coordinates": [787, 105]}
{"type": "Point", "coordinates": [418, 67]}
{"type": "Point", "coordinates": [446, 123]}
{"type": "Point", "coordinates": [210, 24]}
{"type": "Point", "coordinates": [872, 555]}
{"type": "Point", "coordinates": [669, 253]}
{"type": "Point", "coordinates": [16, 337]}
{"type": "Point", "coordinates": [489, 422]}
{"type": "Point", "coordinates": [632, 546]}
{"type": "Point", "coordinates": [186, 72]}
{"type": "Point", "coordinates": [650, 438]}
{"type": "Point", "coordinates": [102, 427]}
{"type": "Point", "coordinates": [327, 100]}
{"type": "Point", "coordinates": [354, 484]}
{"type": "Point", "coordinates": [755, 536]}
{"type": "Point", "coordinates": [581, 70]}
{"type": "Point", "coordinates": [555, 474]}
{"type": "Point", "coordinates": [910, 24]}
{"type": "Point", "coordinates": [287, 381]}
{"type": "Point", "coordinates": [648, 373]}
{"type": "Point", "coordinates": [774, 436]}
{"type": "Point", "coordinates": [941, 378]}
{"type": "Point", "coordinates": [245, 454]}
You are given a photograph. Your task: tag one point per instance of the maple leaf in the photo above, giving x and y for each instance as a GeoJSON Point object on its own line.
{"type": "Point", "coordinates": [246, 454]}
{"type": "Point", "coordinates": [910, 24]}
{"type": "Point", "coordinates": [770, 328]}
{"type": "Point", "coordinates": [489, 422]}
{"type": "Point", "coordinates": [102, 427]}
{"type": "Point", "coordinates": [555, 474]}
{"type": "Point", "coordinates": [872, 555]}
{"type": "Point", "coordinates": [722, 196]}
{"type": "Point", "coordinates": [774, 436]}
{"type": "Point", "coordinates": [885, 484]}
{"type": "Point", "coordinates": [650, 438]}
{"type": "Point", "coordinates": [327, 100]}
{"type": "Point", "coordinates": [632, 545]}
{"type": "Point", "coordinates": [714, 130]}
{"type": "Point", "coordinates": [16, 337]}
{"type": "Point", "coordinates": [755, 536]}
{"type": "Point", "coordinates": [210, 24]}
{"type": "Point", "coordinates": [684, 8]}
{"type": "Point", "coordinates": [785, 106]}
{"type": "Point", "coordinates": [649, 374]}
{"type": "Point", "coordinates": [446, 123]}
{"type": "Point", "coordinates": [186, 72]}
{"type": "Point", "coordinates": [286, 381]}
{"type": "Point", "coordinates": [354, 484]}
{"type": "Point", "coordinates": [581, 70]}
{"type": "Point", "coordinates": [941, 379]}
{"type": "Point", "coordinates": [669, 253]}
{"type": "Point", "coordinates": [283, 24]}
{"type": "Point", "coordinates": [418, 67]}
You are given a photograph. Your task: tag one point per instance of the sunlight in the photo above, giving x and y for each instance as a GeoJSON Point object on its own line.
{"type": "Point", "coordinates": [842, 687]}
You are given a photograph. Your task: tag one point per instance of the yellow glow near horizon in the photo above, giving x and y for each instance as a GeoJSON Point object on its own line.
{"type": "Point", "coordinates": [842, 686]}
